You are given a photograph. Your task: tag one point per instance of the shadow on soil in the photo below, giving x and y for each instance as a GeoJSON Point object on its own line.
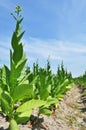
{"type": "Point", "coordinates": [83, 100]}
{"type": "Point", "coordinates": [36, 123]}
{"type": "Point", "coordinates": [1, 128]}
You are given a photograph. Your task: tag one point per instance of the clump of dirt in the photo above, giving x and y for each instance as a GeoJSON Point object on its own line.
{"type": "Point", "coordinates": [70, 115]}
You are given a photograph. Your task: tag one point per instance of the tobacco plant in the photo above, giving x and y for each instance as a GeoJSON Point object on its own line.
{"type": "Point", "coordinates": [22, 90]}
{"type": "Point", "coordinates": [14, 86]}
{"type": "Point", "coordinates": [48, 86]}
{"type": "Point", "coordinates": [81, 80]}
{"type": "Point", "coordinates": [61, 82]}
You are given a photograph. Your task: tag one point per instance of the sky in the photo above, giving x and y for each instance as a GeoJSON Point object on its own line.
{"type": "Point", "coordinates": [54, 29]}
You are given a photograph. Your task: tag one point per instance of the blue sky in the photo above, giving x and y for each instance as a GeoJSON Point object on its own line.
{"type": "Point", "coordinates": [54, 28]}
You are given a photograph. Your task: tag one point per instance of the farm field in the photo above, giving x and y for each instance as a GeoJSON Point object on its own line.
{"type": "Point", "coordinates": [39, 99]}
{"type": "Point", "coordinates": [71, 114]}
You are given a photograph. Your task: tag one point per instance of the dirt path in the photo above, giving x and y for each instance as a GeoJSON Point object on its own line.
{"type": "Point", "coordinates": [71, 114]}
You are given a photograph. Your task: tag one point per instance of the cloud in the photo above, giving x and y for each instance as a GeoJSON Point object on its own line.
{"type": "Point", "coordinates": [41, 48]}
{"type": "Point", "coordinates": [54, 48]}
{"type": "Point", "coordinates": [72, 54]}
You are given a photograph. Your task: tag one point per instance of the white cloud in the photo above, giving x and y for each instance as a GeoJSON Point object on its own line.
{"type": "Point", "coordinates": [72, 54]}
{"type": "Point", "coordinates": [54, 48]}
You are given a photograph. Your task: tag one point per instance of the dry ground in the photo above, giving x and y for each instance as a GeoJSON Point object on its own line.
{"type": "Point", "coordinates": [71, 114]}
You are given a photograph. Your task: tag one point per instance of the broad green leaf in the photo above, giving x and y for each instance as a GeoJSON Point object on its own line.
{"type": "Point", "coordinates": [5, 75]}
{"type": "Point", "coordinates": [20, 36]}
{"type": "Point", "coordinates": [22, 91]}
{"type": "Point", "coordinates": [23, 117]}
{"type": "Point", "coordinates": [29, 105]}
{"type": "Point", "coordinates": [21, 61]}
{"type": "Point", "coordinates": [18, 53]}
{"type": "Point", "coordinates": [45, 111]}
{"type": "Point", "coordinates": [20, 66]}
{"type": "Point", "coordinates": [6, 103]}
{"type": "Point", "coordinates": [14, 41]}
{"type": "Point", "coordinates": [50, 101]}
{"type": "Point", "coordinates": [43, 93]}
{"type": "Point", "coordinates": [23, 78]}
{"type": "Point", "coordinates": [16, 71]}
{"type": "Point", "coordinates": [70, 85]}
{"type": "Point", "coordinates": [65, 83]}
{"type": "Point", "coordinates": [61, 88]}
{"type": "Point", "coordinates": [13, 125]}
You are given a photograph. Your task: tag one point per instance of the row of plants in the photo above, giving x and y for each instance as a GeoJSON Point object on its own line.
{"type": "Point", "coordinates": [22, 90]}
{"type": "Point", "coordinates": [81, 80]}
{"type": "Point", "coordinates": [54, 85]}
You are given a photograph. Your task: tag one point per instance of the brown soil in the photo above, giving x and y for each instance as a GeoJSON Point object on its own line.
{"type": "Point", "coordinates": [70, 115]}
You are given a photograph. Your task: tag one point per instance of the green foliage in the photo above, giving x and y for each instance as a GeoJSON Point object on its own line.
{"type": "Point", "coordinates": [13, 125]}
{"type": "Point", "coordinates": [14, 86]}
{"type": "Point", "coordinates": [49, 84]}
{"type": "Point", "coordinates": [81, 79]}
{"type": "Point", "coordinates": [7, 104]}
{"type": "Point", "coordinates": [29, 90]}
{"type": "Point", "coordinates": [25, 110]}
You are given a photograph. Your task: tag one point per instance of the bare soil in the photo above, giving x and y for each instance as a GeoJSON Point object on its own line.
{"type": "Point", "coordinates": [70, 114]}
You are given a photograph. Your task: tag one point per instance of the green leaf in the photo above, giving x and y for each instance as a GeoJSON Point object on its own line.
{"type": "Point", "coordinates": [6, 103]}
{"type": "Point", "coordinates": [69, 86]}
{"type": "Point", "coordinates": [18, 53]}
{"type": "Point", "coordinates": [59, 96]}
{"type": "Point", "coordinates": [16, 71]}
{"type": "Point", "coordinates": [23, 117]}
{"type": "Point", "coordinates": [14, 41]}
{"type": "Point", "coordinates": [29, 105]}
{"type": "Point", "coordinates": [20, 36]}
{"type": "Point", "coordinates": [13, 76]}
{"type": "Point", "coordinates": [61, 88]}
{"type": "Point", "coordinates": [0, 91]}
{"type": "Point", "coordinates": [5, 75]}
{"type": "Point", "coordinates": [0, 109]}
{"type": "Point", "coordinates": [65, 83]}
{"type": "Point", "coordinates": [13, 125]}
{"type": "Point", "coordinates": [45, 111]}
{"type": "Point", "coordinates": [22, 91]}
{"type": "Point", "coordinates": [20, 20]}
{"type": "Point", "coordinates": [43, 93]}
{"type": "Point", "coordinates": [17, 30]}
{"type": "Point", "coordinates": [20, 65]}
{"type": "Point", "coordinates": [50, 101]}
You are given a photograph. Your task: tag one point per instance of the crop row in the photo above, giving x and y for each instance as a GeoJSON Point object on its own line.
{"type": "Point", "coordinates": [22, 90]}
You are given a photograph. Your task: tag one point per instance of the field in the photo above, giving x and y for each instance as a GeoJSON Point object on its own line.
{"type": "Point", "coordinates": [71, 114]}
{"type": "Point", "coordinates": [38, 98]}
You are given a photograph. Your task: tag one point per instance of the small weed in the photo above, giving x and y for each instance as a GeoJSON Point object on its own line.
{"type": "Point", "coordinates": [72, 121]}
{"type": "Point", "coordinates": [75, 106]}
